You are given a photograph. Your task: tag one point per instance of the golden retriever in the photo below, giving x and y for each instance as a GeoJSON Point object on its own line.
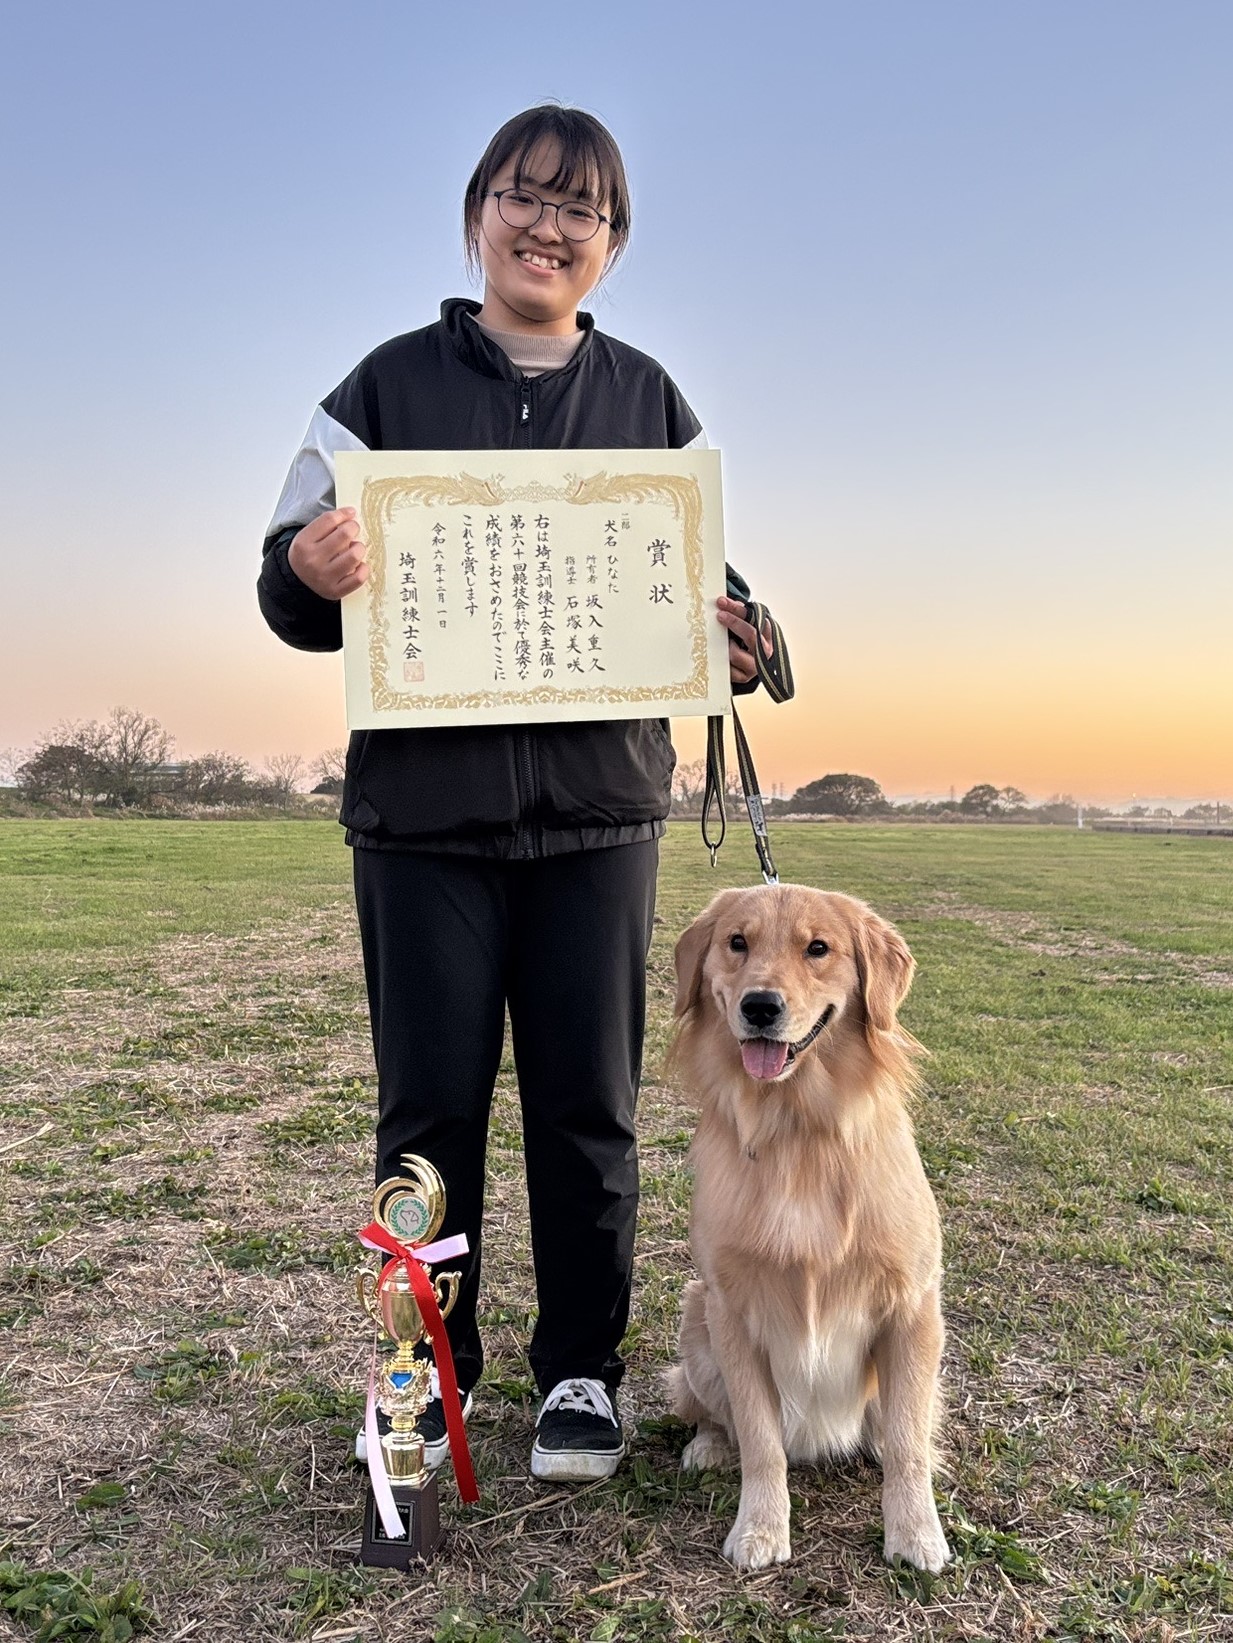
{"type": "Point", "coordinates": [815, 1328]}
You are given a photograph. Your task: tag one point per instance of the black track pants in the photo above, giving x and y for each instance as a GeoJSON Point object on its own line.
{"type": "Point", "coordinates": [448, 941]}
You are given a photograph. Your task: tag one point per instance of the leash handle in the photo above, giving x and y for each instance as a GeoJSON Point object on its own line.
{"type": "Point", "coordinates": [716, 776]}
{"type": "Point", "coordinates": [775, 670]}
{"type": "Point", "coordinates": [775, 673]}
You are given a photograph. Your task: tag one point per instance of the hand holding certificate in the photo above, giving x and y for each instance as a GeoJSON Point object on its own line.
{"type": "Point", "coordinates": [526, 586]}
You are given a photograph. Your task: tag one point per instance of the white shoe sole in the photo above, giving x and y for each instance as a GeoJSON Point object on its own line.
{"type": "Point", "coordinates": [434, 1453]}
{"type": "Point", "coordinates": [574, 1465]}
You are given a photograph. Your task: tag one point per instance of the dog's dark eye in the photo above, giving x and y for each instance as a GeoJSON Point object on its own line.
{"type": "Point", "coordinates": [738, 944]}
{"type": "Point", "coordinates": [817, 949]}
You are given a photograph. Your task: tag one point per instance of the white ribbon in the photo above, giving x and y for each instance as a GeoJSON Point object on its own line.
{"type": "Point", "coordinates": [391, 1518]}
{"type": "Point", "coordinates": [427, 1254]}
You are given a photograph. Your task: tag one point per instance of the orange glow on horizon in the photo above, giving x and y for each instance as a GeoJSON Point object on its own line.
{"type": "Point", "coordinates": [918, 722]}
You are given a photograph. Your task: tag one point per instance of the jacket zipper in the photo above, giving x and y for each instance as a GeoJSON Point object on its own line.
{"type": "Point", "coordinates": [524, 843]}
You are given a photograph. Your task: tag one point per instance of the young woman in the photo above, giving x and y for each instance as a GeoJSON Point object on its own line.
{"type": "Point", "coordinates": [508, 866]}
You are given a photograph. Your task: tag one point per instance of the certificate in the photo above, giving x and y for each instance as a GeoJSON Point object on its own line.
{"type": "Point", "coordinates": [517, 587]}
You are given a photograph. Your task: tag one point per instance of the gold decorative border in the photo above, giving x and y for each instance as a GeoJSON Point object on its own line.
{"type": "Point", "coordinates": [380, 498]}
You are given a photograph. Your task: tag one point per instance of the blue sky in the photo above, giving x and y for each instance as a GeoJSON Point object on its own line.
{"type": "Point", "coordinates": [947, 283]}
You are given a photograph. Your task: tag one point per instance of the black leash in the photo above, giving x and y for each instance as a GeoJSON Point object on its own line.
{"type": "Point", "coordinates": [775, 672]}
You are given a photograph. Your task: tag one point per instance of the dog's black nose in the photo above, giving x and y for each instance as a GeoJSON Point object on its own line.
{"type": "Point", "coordinates": [762, 1009]}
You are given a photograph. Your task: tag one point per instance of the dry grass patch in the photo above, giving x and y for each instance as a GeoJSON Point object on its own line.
{"type": "Point", "coordinates": [187, 1150]}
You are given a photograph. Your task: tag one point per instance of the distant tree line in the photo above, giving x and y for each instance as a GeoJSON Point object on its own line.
{"type": "Point", "coordinates": [844, 794]}
{"type": "Point", "coordinates": [126, 763]}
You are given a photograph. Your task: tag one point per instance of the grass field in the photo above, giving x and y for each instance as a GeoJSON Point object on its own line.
{"type": "Point", "coordinates": [186, 1104]}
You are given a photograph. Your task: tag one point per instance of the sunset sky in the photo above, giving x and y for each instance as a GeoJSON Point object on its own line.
{"type": "Point", "coordinates": [947, 283]}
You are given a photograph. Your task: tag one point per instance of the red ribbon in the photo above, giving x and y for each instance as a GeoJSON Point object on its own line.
{"type": "Point", "coordinates": [404, 1255]}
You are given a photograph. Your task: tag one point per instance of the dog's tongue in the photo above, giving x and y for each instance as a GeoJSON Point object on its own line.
{"type": "Point", "coordinates": [764, 1057]}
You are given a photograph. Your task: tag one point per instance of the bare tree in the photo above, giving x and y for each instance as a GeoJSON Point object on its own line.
{"type": "Point", "coordinates": [688, 784]}
{"type": "Point", "coordinates": [131, 749]}
{"type": "Point", "coordinates": [67, 766]}
{"type": "Point", "coordinates": [331, 766]}
{"type": "Point", "coordinates": [331, 770]}
{"type": "Point", "coordinates": [284, 772]}
{"type": "Point", "coordinates": [215, 778]}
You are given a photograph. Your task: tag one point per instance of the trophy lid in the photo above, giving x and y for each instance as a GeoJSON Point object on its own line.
{"type": "Point", "coordinates": [411, 1207]}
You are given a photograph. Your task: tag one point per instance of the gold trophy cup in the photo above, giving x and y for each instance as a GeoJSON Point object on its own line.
{"type": "Point", "coordinates": [411, 1208]}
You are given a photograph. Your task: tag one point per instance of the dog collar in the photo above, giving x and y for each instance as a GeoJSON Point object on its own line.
{"type": "Point", "coordinates": [819, 1024]}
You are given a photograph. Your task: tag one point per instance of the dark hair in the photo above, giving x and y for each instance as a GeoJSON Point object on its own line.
{"type": "Point", "coordinates": [590, 163]}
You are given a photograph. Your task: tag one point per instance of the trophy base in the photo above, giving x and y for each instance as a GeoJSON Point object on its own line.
{"type": "Point", "coordinates": [419, 1509]}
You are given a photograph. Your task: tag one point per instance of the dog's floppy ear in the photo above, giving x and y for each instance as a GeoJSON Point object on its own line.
{"type": "Point", "coordinates": [691, 952]}
{"type": "Point", "coordinates": [885, 967]}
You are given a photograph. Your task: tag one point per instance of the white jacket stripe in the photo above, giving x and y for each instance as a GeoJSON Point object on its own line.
{"type": "Point", "coordinates": [309, 490]}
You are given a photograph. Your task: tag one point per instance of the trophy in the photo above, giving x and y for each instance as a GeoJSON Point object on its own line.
{"type": "Point", "coordinates": [409, 1209]}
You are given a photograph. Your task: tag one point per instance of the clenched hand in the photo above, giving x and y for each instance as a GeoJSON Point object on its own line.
{"type": "Point", "coordinates": [328, 555]}
{"type": "Point", "coordinates": [741, 639]}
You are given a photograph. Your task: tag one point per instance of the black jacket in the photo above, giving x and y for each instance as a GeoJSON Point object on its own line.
{"type": "Point", "coordinates": [507, 791]}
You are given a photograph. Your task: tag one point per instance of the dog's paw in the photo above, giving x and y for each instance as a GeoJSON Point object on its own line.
{"type": "Point", "coordinates": [758, 1545]}
{"type": "Point", "coordinates": [708, 1451]}
{"type": "Point", "coordinates": [922, 1545]}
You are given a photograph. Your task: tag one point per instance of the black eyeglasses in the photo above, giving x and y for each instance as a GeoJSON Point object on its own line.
{"type": "Point", "coordinates": [519, 208]}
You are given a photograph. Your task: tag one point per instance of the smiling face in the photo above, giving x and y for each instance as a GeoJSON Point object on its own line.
{"type": "Point", "coordinates": [778, 966]}
{"type": "Point", "coordinates": [534, 278]}
{"type": "Point", "coordinates": [784, 965]}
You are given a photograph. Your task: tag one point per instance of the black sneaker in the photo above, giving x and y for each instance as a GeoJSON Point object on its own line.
{"type": "Point", "coordinates": [578, 1434]}
{"type": "Point", "coordinates": [430, 1426]}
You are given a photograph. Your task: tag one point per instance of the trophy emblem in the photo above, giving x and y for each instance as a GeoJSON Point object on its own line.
{"type": "Point", "coordinates": [409, 1209]}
